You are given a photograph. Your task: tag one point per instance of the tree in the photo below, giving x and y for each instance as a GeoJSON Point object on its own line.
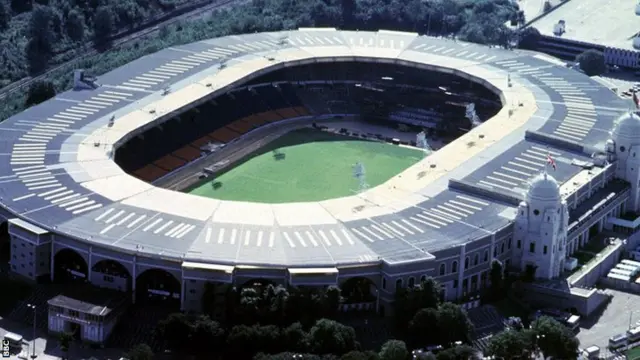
{"type": "Point", "coordinates": [422, 331]}
{"type": "Point", "coordinates": [425, 356]}
{"type": "Point", "coordinates": [330, 337]}
{"type": "Point", "coordinates": [39, 47]}
{"type": "Point", "coordinates": [40, 91]}
{"type": "Point", "coordinates": [408, 301]}
{"type": "Point", "coordinates": [20, 6]}
{"type": "Point", "coordinates": [459, 352]}
{"type": "Point", "coordinates": [348, 8]}
{"type": "Point", "coordinates": [394, 350]}
{"type": "Point", "coordinates": [453, 324]}
{"type": "Point", "coordinates": [208, 337]}
{"type": "Point", "coordinates": [74, 25]}
{"type": "Point", "coordinates": [103, 26]}
{"type": "Point", "coordinates": [554, 339]}
{"type": "Point", "coordinates": [65, 339]}
{"type": "Point", "coordinates": [529, 37]}
{"type": "Point", "coordinates": [140, 352]}
{"type": "Point", "coordinates": [592, 62]}
{"type": "Point", "coordinates": [296, 338]}
{"type": "Point", "coordinates": [175, 331]}
{"type": "Point", "coordinates": [510, 343]}
{"type": "Point", "coordinates": [360, 355]}
{"type": "Point", "coordinates": [5, 16]}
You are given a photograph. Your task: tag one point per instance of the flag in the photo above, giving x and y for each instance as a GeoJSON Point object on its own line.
{"type": "Point", "coordinates": [551, 162]}
{"type": "Point", "coordinates": [636, 101]}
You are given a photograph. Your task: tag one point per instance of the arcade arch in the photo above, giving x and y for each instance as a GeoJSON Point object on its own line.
{"type": "Point", "coordinates": [358, 290]}
{"type": "Point", "coordinates": [69, 266]}
{"type": "Point", "coordinates": [112, 274]}
{"type": "Point", "coordinates": [158, 286]}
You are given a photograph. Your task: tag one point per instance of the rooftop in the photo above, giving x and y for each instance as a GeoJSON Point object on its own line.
{"type": "Point", "coordinates": [611, 23]}
{"type": "Point", "coordinates": [89, 300]}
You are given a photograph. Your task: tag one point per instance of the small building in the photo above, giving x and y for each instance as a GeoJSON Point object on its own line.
{"type": "Point", "coordinates": [89, 314]}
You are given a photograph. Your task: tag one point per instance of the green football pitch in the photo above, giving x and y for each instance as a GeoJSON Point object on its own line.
{"type": "Point", "coordinates": [307, 165]}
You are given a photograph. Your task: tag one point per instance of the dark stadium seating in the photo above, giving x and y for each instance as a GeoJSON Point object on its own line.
{"type": "Point", "coordinates": [178, 141]}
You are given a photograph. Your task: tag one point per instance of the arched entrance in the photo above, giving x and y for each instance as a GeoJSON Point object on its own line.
{"type": "Point", "coordinates": [358, 290]}
{"type": "Point", "coordinates": [5, 246]}
{"type": "Point", "coordinates": [158, 286]}
{"type": "Point", "coordinates": [111, 274]}
{"type": "Point", "coordinates": [69, 266]}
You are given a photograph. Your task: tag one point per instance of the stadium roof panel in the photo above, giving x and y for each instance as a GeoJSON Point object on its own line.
{"type": "Point", "coordinates": [59, 176]}
{"type": "Point", "coordinates": [585, 19]}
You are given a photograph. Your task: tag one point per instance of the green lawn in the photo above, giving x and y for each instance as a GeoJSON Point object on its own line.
{"type": "Point", "coordinates": [314, 166]}
{"type": "Point", "coordinates": [633, 354]}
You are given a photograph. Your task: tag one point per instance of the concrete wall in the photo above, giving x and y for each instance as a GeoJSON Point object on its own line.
{"type": "Point", "coordinates": [598, 267]}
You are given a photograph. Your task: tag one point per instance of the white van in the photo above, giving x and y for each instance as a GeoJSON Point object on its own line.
{"type": "Point", "coordinates": [618, 341]}
{"type": "Point", "coordinates": [592, 352]}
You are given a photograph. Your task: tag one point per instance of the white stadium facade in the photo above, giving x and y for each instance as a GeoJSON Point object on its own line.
{"type": "Point", "coordinates": [490, 194]}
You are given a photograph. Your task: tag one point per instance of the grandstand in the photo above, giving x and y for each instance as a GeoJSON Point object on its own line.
{"type": "Point", "coordinates": [164, 149]}
{"type": "Point", "coordinates": [419, 98]}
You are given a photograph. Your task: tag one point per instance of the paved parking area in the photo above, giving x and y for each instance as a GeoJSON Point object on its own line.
{"type": "Point", "coordinates": [623, 310]}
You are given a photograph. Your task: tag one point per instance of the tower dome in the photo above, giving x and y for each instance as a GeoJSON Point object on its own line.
{"type": "Point", "coordinates": [627, 128]}
{"type": "Point", "coordinates": [544, 187]}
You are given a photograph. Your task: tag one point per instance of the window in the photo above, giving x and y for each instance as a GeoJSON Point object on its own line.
{"type": "Point", "coordinates": [192, 291]}
{"type": "Point", "coordinates": [423, 278]}
{"type": "Point", "coordinates": [74, 313]}
{"type": "Point", "coordinates": [544, 250]}
{"type": "Point", "coordinates": [466, 263]}
{"type": "Point", "coordinates": [455, 284]}
{"type": "Point", "coordinates": [536, 212]}
{"type": "Point", "coordinates": [486, 255]}
{"type": "Point", "coordinates": [398, 284]}
{"type": "Point", "coordinates": [454, 267]}
{"type": "Point", "coordinates": [443, 269]}
{"type": "Point", "coordinates": [622, 149]}
{"type": "Point", "coordinates": [412, 282]}
{"type": "Point", "coordinates": [475, 259]}
{"type": "Point", "coordinates": [384, 283]}
{"type": "Point", "coordinates": [532, 247]}
{"type": "Point", "coordinates": [502, 248]}
{"type": "Point", "coordinates": [509, 243]}
{"type": "Point", "coordinates": [495, 251]}
{"type": "Point", "coordinates": [519, 244]}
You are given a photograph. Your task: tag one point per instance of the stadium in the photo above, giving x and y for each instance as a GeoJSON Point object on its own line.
{"type": "Point", "coordinates": [231, 160]}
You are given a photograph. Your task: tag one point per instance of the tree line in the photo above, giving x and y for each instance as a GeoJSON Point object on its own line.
{"type": "Point", "coordinates": [268, 322]}
{"type": "Point", "coordinates": [35, 34]}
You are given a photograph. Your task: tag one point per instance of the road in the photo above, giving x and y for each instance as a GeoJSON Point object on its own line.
{"type": "Point", "coordinates": [88, 50]}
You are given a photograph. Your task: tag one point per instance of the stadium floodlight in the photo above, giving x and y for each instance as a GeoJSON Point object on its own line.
{"type": "Point", "coordinates": [472, 115]}
{"type": "Point", "coordinates": [360, 173]}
